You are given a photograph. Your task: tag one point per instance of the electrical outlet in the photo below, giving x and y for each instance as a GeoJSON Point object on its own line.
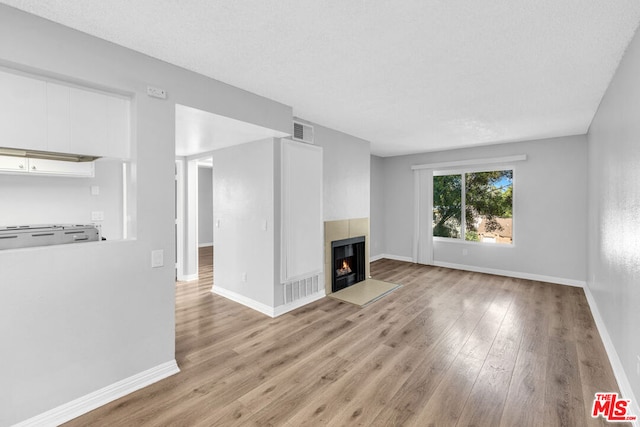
{"type": "Point", "coordinates": [97, 216]}
{"type": "Point", "coordinates": [95, 190]}
{"type": "Point", "coordinates": [156, 92]}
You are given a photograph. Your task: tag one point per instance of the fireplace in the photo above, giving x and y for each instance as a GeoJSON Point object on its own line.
{"type": "Point", "coordinates": [348, 262]}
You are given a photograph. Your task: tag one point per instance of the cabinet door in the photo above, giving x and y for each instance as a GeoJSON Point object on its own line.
{"type": "Point", "coordinates": [23, 109]}
{"type": "Point", "coordinates": [99, 124]}
{"type": "Point", "coordinates": [58, 118]}
{"type": "Point", "coordinates": [118, 128]}
{"type": "Point", "coordinates": [55, 167]}
{"type": "Point", "coordinates": [88, 112]}
{"type": "Point", "coordinates": [302, 226]}
{"type": "Point", "coordinates": [13, 164]}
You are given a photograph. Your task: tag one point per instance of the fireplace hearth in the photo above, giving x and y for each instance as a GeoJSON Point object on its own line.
{"type": "Point", "coordinates": [348, 261]}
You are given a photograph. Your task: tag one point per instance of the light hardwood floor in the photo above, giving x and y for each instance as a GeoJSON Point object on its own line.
{"type": "Point", "coordinates": [448, 348]}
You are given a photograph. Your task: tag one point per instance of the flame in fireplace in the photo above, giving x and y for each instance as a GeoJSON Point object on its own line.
{"type": "Point", "coordinates": [345, 268]}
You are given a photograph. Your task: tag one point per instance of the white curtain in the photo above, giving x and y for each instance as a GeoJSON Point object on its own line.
{"type": "Point", "coordinates": [423, 211]}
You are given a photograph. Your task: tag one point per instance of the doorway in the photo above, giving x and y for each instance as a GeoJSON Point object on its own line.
{"type": "Point", "coordinates": [199, 134]}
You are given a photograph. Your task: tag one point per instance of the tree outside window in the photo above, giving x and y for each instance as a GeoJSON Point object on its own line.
{"type": "Point", "coordinates": [486, 198]}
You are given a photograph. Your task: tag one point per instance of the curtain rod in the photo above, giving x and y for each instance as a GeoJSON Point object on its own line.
{"type": "Point", "coordinates": [505, 159]}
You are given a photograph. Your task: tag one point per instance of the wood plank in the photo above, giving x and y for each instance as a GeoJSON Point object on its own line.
{"type": "Point", "coordinates": [563, 401]}
{"type": "Point", "coordinates": [496, 373]}
{"type": "Point", "coordinates": [524, 405]}
{"type": "Point", "coordinates": [378, 391]}
{"type": "Point", "coordinates": [312, 410]}
{"type": "Point", "coordinates": [445, 404]}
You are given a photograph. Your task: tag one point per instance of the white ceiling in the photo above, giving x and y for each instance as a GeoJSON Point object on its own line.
{"type": "Point", "coordinates": [200, 132]}
{"type": "Point", "coordinates": [409, 76]}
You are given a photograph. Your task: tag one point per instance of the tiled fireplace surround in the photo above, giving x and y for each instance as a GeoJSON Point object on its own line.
{"type": "Point", "coordinates": [344, 229]}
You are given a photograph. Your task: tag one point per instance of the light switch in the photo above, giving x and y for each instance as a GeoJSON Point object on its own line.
{"type": "Point", "coordinates": [157, 258]}
{"type": "Point", "coordinates": [264, 225]}
{"type": "Point", "coordinates": [95, 190]}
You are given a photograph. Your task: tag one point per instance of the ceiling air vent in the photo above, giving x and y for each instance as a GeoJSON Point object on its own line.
{"type": "Point", "coordinates": [302, 132]}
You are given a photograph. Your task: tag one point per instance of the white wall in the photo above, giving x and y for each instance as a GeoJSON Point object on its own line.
{"type": "Point", "coordinates": [37, 199]}
{"type": "Point", "coordinates": [72, 331]}
{"type": "Point", "coordinates": [243, 179]}
{"type": "Point", "coordinates": [549, 209]}
{"type": "Point", "coordinates": [205, 206]}
{"type": "Point", "coordinates": [614, 213]}
{"type": "Point", "coordinates": [248, 193]}
{"type": "Point", "coordinates": [377, 218]}
{"type": "Point", "coordinates": [346, 179]}
{"type": "Point", "coordinates": [187, 206]}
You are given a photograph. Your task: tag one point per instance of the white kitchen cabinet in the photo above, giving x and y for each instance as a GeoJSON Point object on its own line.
{"type": "Point", "coordinates": [55, 167]}
{"type": "Point", "coordinates": [99, 124]}
{"type": "Point", "coordinates": [118, 128]}
{"type": "Point", "coordinates": [24, 166]}
{"type": "Point", "coordinates": [88, 112]}
{"type": "Point", "coordinates": [46, 116]}
{"type": "Point", "coordinates": [13, 164]}
{"type": "Point", "coordinates": [58, 118]}
{"type": "Point", "coordinates": [23, 112]}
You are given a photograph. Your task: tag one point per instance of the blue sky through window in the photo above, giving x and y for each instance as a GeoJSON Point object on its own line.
{"type": "Point", "coordinates": [503, 183]}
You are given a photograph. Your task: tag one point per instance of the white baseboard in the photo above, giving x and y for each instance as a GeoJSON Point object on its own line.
{"type": "Point", "coordinates": [393, 257]}
{"type": "Point", "coordinates": [241, 299]}
{"type": "Point", "coordinates": [187, 277]}
{"type": "Point", "coordinates": [516, 274]}
{"type": "Point", "coordinates": [285, 308]}
{"type": "Point", "coordinates": [614, 359]}
{"type": "Point", "coordinates": [399, 258]}
{"type": "Point", "coordinates": [263, 308]}
{"type": "Point", "coordinates": [376, 257]}
{"type": "Point", "coordinates": [91, 401]}
{"type": "Point", "coordinates": [205, 245]}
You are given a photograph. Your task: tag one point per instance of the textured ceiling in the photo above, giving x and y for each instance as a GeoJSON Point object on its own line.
{"type": "Point", "coordinates": [409, 76]}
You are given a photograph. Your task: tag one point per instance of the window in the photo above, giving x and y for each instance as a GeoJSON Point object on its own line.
{"type": "Point", "coordinates": [486, 198]}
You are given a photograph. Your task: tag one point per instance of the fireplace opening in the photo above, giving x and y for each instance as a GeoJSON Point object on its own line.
{"type": "Point", "coordinates": [348, 262]}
